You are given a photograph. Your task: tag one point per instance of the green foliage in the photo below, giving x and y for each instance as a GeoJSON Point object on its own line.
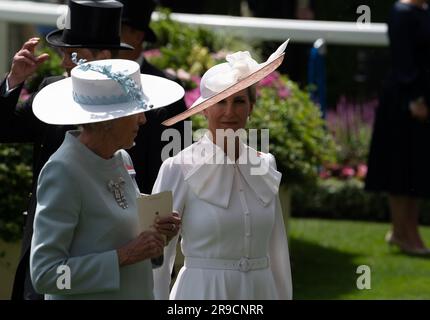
{"type": "Point", "coordinates": [351, 124]}
{"type": "Point", "coordinates": [189, 48]}
{"type": "Point", "coordinates": [339, 199]}
{"type": "Point", "coordinates": [354, 148]}
{"type": "Point", "coordinates": [298, 137]}
{"type": "Point", "coordinates": [15, 159]}
{"type": "Point", "coordinates": [346, 200]}
{"type": "Point", "coordinates": [15, 179]}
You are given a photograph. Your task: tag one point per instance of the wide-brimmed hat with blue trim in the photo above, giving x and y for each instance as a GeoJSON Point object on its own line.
{"type": "Point", "coordinates": [103, 90]}
{"type": "Point", "coordinates": [224, 79]}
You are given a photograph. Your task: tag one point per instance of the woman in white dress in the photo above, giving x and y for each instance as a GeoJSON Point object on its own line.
{"type": "Point", "coordinates": [233, 235]}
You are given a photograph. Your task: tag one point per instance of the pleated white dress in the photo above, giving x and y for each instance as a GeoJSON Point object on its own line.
{"type": "Point", "coordinates": [233, 235]}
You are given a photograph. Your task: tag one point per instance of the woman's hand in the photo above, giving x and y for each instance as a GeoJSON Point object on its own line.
{"type": "Point", "coordinates": [147, 245]}
{"type": "Point", "coordinates": [169, 226]}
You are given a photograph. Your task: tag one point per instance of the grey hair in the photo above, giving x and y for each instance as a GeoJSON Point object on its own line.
{"type": "Point", "coordinates": [96, 126]}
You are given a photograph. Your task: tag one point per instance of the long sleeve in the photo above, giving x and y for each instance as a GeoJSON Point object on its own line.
{"type": "Point", "coordinates": [55, 225]}
{"type": "Point", "coordinates": [279, 255]}
{"type": "Point", "coordinates": [18, 122]}
{"type": "Point", "coordinates": [170, 177]}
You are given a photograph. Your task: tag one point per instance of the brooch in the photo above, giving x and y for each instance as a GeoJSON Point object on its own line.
{"type": "Point", "coordinates": [117, 189]}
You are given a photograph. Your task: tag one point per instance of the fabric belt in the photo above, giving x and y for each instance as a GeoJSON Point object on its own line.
{"type": "Point", "coordinates": [242, 265]}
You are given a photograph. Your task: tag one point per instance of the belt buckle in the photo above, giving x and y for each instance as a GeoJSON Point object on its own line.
{"type": "Point", "coordinates": [244, 265]}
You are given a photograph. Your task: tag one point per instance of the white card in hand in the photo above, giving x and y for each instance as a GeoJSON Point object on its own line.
{"type": "Point", "coordinates": [151, 206]}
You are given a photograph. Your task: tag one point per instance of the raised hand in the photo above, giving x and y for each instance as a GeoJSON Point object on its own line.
{"type": "Point", "coordinates": [25, 63]}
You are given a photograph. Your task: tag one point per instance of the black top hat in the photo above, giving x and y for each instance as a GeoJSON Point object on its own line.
{"type": "Point", "coordinates": [137, 14]}
{"type": "Point", "coordinates": [91, 24]}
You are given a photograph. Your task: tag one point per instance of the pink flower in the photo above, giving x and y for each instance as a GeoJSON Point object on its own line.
{"type": "Point", "coordinates": [196, 80]}
{"type": "Point", "coordinates": [361, 171]}
{"type": "Point", "coordinates": [324, 174]}
{"type": "Point", "coordinates": [270, 79]}
{"type": "Point", "coordinates": [191, 96]}
{"type": "Point", "coordinates": [283, 92]}
{"type": "Point", "coordinates": [347, 172]}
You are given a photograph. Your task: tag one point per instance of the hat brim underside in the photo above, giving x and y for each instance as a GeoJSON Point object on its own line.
{"type": "Point", "coordinates": [54, 39]}
{"type": "Point", "coordinates": [244, 83]}
{"type": "Point", "coordinates": [54, 104]}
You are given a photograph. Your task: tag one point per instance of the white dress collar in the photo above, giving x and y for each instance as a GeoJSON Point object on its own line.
{"type": "Point", "coordinates": [209, 172]}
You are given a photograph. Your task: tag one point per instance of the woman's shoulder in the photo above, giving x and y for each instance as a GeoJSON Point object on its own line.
{"type": "Point", "coordinates": [125, 157]}
{"type": "Point", "coordinates": [266, 157]}
{"type": "Point", "coordinates": [62, 159]}
{"type": "Point", "coordinates": [184, 157]}
{"type": "Point", "coordinates": [67, 159]}
{"type": "Point", "coordinates": [272, 159]}
{"type": "Point", "coordinates": [183, 163]}
{"type": "Point", "coordinates": [171, 166]}
{"type": "Point", "coordinates": [59, 172]}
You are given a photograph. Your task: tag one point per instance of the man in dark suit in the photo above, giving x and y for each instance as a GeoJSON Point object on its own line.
{"type": "Point", "coordinates": [146, 154]}
{"type": "Point", "coordinates": [19, 124]}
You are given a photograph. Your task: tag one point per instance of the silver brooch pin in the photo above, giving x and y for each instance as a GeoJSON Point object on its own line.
{"type": "Point", "coordinates": [117, 189]}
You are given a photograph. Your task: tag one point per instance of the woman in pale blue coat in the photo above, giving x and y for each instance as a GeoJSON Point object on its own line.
{"type": "Point", "coordinates": [87, 243]}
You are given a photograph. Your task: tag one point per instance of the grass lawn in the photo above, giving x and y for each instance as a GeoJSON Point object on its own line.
{"type": "Point", "coordinates": [325, 255]}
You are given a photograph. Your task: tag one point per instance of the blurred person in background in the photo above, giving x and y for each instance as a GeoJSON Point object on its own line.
{"type": "Point", "coordinates": [146, 155]}
{"type": "Point", "coordinates": [399, 155]}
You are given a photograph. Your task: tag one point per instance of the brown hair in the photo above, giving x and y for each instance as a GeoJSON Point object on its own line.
{"type": "Point", "coordinates": [252, 93]}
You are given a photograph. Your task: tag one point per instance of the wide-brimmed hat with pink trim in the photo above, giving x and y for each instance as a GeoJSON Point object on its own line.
{"type": "Point", "coordinates": [221, 81]}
